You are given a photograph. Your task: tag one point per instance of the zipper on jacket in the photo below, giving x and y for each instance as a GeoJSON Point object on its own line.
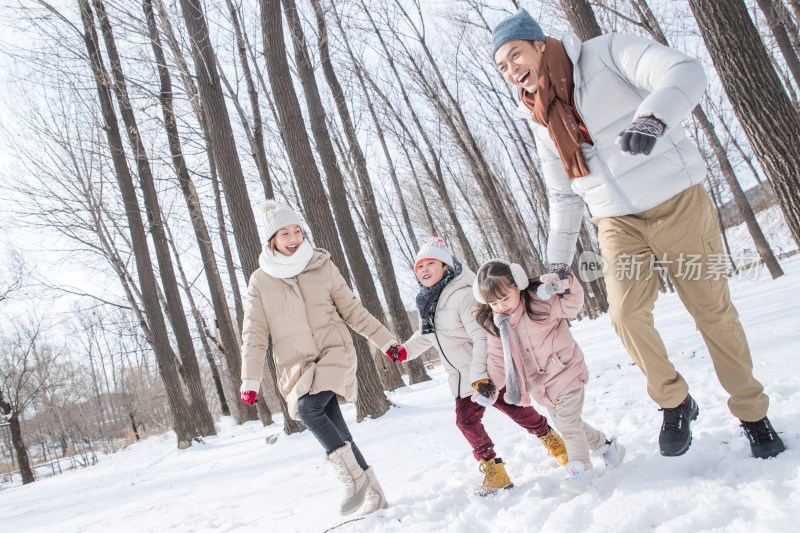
{"type": "Point", "coordinates": [609, 176]}
{"type": "Point", "coordinates": [441, 351]}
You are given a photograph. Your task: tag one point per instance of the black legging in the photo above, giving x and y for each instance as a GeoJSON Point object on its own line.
{"type": "Point", "coordinates": [321, 414]}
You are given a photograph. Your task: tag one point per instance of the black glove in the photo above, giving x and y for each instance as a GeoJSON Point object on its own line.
{"type": "Point", "coordinates": [561, 270]}
{"type": "Point", "coordinates": [641, 135]}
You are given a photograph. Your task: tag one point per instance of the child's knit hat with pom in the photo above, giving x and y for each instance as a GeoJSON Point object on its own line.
{"type": "Point", "coordinates": [435, 248]}
{"type": "Point", "coordinates": [277, 216]}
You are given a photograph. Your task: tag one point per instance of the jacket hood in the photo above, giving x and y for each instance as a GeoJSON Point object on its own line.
{"type": "Point", "coordinates": [318, 259]}
{"type": "Point", "coordinates": [465, 279]}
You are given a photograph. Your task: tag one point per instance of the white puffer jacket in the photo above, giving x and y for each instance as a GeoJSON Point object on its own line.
{"type": "Point", "coordinates": [459, 339]}
{"type": "Point", "coordinates": [619, 78]}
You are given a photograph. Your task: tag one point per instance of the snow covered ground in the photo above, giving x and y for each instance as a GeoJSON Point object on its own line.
{"type": "Point", "coordinates": [235, 481]}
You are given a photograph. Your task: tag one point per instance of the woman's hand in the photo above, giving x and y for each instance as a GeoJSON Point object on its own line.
{"type": "Point", "coordinates": [249, 397]}
{"type": "Point", "coordinates": [249, 390]}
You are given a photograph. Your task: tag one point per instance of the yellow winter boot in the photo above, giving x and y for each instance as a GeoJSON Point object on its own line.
{"type": "Point", "coordinates": [495, 477]}
{"type": "Point", "coordinates": [555, 446]}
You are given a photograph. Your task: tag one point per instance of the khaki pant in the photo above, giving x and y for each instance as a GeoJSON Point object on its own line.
{"type": "Point", "coordinates": [579, 437]}
{"type": "Point", "coordinates": [683, 235]}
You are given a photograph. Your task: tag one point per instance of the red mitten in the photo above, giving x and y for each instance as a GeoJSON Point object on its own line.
{"type": "Point", "coordinates": [396, 352]}
{"type": "Point", "coordinates": [249, 397]}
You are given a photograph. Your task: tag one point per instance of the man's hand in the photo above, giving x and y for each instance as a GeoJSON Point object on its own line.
{"type": "Point", "coordinates": [640, 136]}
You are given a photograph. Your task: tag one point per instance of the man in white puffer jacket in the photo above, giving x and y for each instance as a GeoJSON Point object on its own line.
{"type": "Point", "coordinates": [607, 120]}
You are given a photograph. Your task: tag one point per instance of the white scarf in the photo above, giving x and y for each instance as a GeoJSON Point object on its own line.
{"type": "Point", "coordinates": [282, 266]}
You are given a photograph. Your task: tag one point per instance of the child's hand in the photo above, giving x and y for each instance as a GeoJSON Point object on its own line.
{"type": "Point", "coordinates": [551, 284]}
{"type": "Point", "coordinates": [484, 387]}
{"type": "Point", "coordinates": [396, 353]}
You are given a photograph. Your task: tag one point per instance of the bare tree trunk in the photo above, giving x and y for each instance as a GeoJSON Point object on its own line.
{"type": "Point", "coordinates": [770, 122]}
{"type": "Point", "coordinates": [449, 109]}
{"type": "Point", "coordinates": [581, 18]}
{"type": "Point", "coordinates": [432, 226]}
{"type": "Point", "coordinates": [248, 241]}
{"type": "Point", "coordinates": [23, 460]}
{"type": "Point", "coordinates": [781, 37]}
{"type": "Point", "coordinates": [372, 400]}
{"type": "Point", "coordinates": [199, 324]}
{"type": "Point", "coordinates": [739, 198]}
{"type": "Point", "coordinates": [392, 170]}
{"type": "Point", "coordinates": [717, 205]}
{"type": "Point", "coordinates": [434, 174]}
{"type": "Point", "coordinates": [199, 109]}
{"type": "Point", "coordinates": [166, 359]}
{"type": "Point", "coordinates": [347, 231]}
{"type": "Point", "coordinates": [383, 260]}
{"type": "Point", "coordinates": [230, 343]}
{"type": "Point", "coordinates": [259, 153]}
{"type": "Point", "coordinates": [201, 416]}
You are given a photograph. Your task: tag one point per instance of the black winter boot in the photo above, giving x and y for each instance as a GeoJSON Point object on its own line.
{"type": "Point", "coordinates": [764, 441]}
{"type": "Point", "coordinates": [676, 436]}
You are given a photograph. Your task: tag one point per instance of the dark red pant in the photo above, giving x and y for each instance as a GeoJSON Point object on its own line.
{"type": "Point", "coordinates": [468, 420]}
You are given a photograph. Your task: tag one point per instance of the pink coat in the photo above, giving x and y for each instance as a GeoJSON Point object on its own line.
{"type": "Point", "coordinates": [552, 361]}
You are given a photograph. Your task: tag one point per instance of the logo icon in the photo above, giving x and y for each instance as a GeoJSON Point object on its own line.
{"type": "Point", "coordinates": [591, 266]}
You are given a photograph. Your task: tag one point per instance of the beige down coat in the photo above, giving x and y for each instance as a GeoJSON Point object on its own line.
{"type": "Point", "coordinates": [307, 317]}
{"type": "Point", "coordinates": [459, 339]}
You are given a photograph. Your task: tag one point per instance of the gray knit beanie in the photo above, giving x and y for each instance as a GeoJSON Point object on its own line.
{"type": "Point", "coordinates": [277, 216]}
{"type": "Point", "coordinates": [518, 27]}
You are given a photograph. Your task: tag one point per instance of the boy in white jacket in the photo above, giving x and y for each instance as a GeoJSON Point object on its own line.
{"type": "Point", "coordinates": [447, 322]}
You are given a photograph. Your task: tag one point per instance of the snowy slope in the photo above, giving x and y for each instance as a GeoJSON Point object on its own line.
{"type": "Point", "coordinates": [237, 482]}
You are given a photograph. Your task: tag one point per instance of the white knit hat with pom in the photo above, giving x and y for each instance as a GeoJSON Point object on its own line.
{"type": "Point", "coordinates": [277, 216]}
{"type": "Point", "coordinates": [435, 248]}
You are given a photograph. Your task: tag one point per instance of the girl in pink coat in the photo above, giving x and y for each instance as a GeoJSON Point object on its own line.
{"type": "Point", "coordinates": [530, 351]}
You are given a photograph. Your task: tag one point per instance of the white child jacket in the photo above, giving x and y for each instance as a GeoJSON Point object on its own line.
{"type": "Point", "coordinates": [619, 78]}
{"type": "Point", "coordinates": [459, 339]}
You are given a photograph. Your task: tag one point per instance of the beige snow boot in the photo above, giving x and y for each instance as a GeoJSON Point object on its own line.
{"type": "Point", "coordinates": [375, 498]}
{"type": "Point", "coordinates": [355, 480]}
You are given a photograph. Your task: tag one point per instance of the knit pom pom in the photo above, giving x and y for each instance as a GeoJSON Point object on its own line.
{"type": "Point", "coordinates": [268, 206]}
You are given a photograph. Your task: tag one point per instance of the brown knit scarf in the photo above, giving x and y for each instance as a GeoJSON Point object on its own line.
{"type": "Point", "coordinates": [551, 107]}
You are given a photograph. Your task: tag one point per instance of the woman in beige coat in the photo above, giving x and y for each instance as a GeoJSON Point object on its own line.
{"type": "Point", "coordinates": [299, 300]}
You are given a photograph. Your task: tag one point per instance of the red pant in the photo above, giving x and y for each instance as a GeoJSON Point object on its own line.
{"type": "Point", "coordinates": [468, 420]}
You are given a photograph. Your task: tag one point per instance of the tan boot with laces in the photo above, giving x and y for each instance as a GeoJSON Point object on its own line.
{"type": "Point", "coordinates": [495, 477]}
{"type": "Point", "coordinates": [555, 446]}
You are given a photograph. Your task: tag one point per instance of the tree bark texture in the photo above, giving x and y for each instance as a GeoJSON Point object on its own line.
{"type": "Point", "coordinates": [781, 36]}
{"type": "Point", "coordinates": [740, 200]}
{"type": "Point", "coordinates": [770, 122]}
{"type": "Point", "coordinates": [245, 231]}
{"type": "Point", "coordinates": [23, 460]}
{"type": "Point", "coordinates": [259, 152]}
{"type": "Point", "coordinates": [581, 17]}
